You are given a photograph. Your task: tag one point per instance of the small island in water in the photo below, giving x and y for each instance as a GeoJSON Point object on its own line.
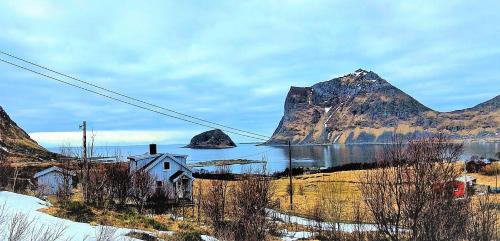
{"type": "Point", "coordinates": [225, 162]}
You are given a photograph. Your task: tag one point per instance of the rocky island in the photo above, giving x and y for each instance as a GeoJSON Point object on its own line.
{"type": "Point", "coordinates": [214, 139]}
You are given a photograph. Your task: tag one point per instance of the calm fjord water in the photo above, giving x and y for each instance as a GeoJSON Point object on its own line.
{"type": "Point", "coordinates": [277, 156]}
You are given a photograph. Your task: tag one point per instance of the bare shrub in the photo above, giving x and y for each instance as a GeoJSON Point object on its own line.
{"type": "Point", "coordinates": [490, 170]}
{"type": "Point", "coordinates": [3, 214]}
{"type": "Point", "coordinates": [413, 190]}
{"type": "Point", "coordinates": [18, 227]}
{"type": "Point", "coordinates": [98, 192]}
{"type": "Point", "coordinates": [214, 201]}
{"type": "Point", "coordinates": [47, 232]}
{"type": "Point", "coordinates": [65, 187]}
{"type": "Point", "coordinates": [118, 183]}
{"type": "Point", "coordinates": [5, 174]}
{"type": "Point", "coordinates": [3, 156]}
{"type": "Point", "coordinates": [333, 207]}
{"type": "Point", "coordinates": [358, 217]}
{"type": "Point", "coordinates": [105, 233]}
{"type": "Point", "coordinates": [483, 219]}
{"type": "Point", "coordinates": [163, 197]}
{"type": "Point", "coordinates": [142, 188]}
{"type": "Point", "coordinates": [251, 197]}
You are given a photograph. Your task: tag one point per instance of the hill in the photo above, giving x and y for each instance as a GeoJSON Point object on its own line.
{"type": "Point", "coordinates": [16, 144]}
{"type": "Point", "coordinates": [361, 107]}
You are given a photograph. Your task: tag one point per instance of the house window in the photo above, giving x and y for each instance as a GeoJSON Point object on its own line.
{"type": "Point", "coordinates": [166, 165]}
{"type": "Point", "coordinates": [159, 183]}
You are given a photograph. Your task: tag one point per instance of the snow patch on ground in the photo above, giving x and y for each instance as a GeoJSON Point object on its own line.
{"type": "Point", "coordinates": [292, 236]}
{"type": "Point", "coordinates": [345, 227]}
{"type": "Point", "coordinates": [28, 205]}
{"type": "Point", "coordinates": [17, 203]}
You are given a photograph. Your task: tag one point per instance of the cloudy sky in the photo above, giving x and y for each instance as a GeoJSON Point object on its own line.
{"type": "Point", "coordinates": [233, 61]}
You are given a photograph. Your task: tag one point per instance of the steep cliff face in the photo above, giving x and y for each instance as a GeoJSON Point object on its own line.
{"type": "Point", "coordinates": [364, 108]}
{"type": "Point", "coordinates": [16, 144]}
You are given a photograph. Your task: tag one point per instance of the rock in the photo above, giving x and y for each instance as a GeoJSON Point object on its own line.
{"type": "Point", "coordinates": [214, 139]}
{"type": "Point", "coordinates": [361, 107]}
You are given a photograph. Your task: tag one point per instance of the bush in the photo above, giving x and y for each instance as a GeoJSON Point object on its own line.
{"type": "Point", "coordinates": [142, 236]}
{"type": "Point", "coordinates": [156, 225]}
{"type": "Point", "coordinates": [187, 236]}
{"type": "Point", "coordinates": [490, 170]}
{"type": "Point", "coordinates": [78, 211]}
{"type": "Point", "coordinates": [186, 226]}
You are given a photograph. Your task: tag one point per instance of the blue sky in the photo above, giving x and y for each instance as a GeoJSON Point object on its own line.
{"type": "Point", "coordinates": [234, 61]}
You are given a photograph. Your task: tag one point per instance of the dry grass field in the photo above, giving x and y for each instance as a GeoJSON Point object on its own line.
{"type": "Point", "coordinates": [309, 189]}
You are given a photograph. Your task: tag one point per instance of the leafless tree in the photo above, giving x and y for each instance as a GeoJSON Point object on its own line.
{"type": "Point", "coordinates": [64, 188]}
{"type": "Point", "coordinates": [163, 197]}
{"type": "Point", "coordinates": [251, 197]}
{"type": "Point", "coordinates": [6, 173]}
{"type": "Point", "coordinates": [215, 201]}
{"type": "Point", "coordinates": [483, 219]}
{"type": "Point", "coordinates": [18, 227]}
{"type": "Point", "coordinates": [333, 206]}
{"type": "Point", "coordinates": [142, 188]}
{"type": "Point", "coordinates": [118, 182]}
{"type": "Point", "coordinates": [317, 217]}
{"type": "Point", "coordinates": [3, 156]}
{"type": "Point", "coordinates": [46, 232]}
{"type": "Point", "coordinates": [3, 214]}
{"type": "Point", "coordinates": [358, 218]}
{"type": "Point", "coordinates": [199, 201]}
{"type": "Point", "coordinates": [105, 233]}
{"type": "Point", "coordinates": [98, 192]}
{"type": "Point", "coordinates": [15, 176]}
{"type": "Point", "coordinates": [412, 191]}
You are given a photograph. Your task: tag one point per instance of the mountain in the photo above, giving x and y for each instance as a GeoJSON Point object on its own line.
{"type": "Point", "coordinates": [16, 144]}
{"type": "Point", "coordinates": [361, 107]}
{"type": "Point", "coordinates": [214, 139]}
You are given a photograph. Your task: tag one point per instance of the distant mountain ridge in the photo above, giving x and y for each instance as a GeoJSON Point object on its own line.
{"type": "Point", "coordinates": [16, 144]}
{"type": "Point", "coordinates": [361, 107]}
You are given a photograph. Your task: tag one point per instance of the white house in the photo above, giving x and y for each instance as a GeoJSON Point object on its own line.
{"type": "Point", "coordinates": [169, 170]}
{"type": "Point", "coordinates": [50, 180]}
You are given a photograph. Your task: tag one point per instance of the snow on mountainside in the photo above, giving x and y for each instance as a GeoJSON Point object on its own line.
{"type": "Point", "coordinates": [361, 107]}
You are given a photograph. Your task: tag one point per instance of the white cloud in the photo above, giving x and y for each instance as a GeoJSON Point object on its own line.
{"type": "Point", "coordinates": [119, 137]}
{"type": "Point", "coordinates": [29, 8]}
{"type": "Point", "coordinates": [215, 58]}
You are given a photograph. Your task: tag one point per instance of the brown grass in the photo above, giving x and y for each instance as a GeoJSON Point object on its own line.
{"type": "Point", "coordinates": [308, 188]}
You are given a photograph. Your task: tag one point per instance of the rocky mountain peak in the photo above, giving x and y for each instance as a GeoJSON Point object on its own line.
{"type": "Point", "coordinates": [362, 107]}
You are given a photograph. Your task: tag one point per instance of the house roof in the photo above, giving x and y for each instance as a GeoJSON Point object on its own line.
{"type": "Point", "coordinates": [465, 179]}
{"type": "Point", "coordinates": [146, 167]}
{"type": "Point", "coordinates": [53, 169]}
{"type": "Point", "coordinates": [159, 157]}
{"type": "Point", "coordinates": [176, 175]}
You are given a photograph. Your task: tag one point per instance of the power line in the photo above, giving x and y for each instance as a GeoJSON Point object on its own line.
{"type": "Point", "coordinates": [129, 97]}
{"type": "Point", "coordinates": [123, 101]}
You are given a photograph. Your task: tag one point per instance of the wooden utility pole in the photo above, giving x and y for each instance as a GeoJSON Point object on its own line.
{"type": "Point", "coordinates": [84, 159]}
{"type": "Point", "coordinates": [290, 173]}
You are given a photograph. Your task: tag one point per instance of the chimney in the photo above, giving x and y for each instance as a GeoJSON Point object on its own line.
{"type": "Point", "coordinates": [152, 149]}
